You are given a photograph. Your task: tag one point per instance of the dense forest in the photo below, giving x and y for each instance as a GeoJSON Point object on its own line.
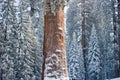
{"type": "Point", "coordinates": [59, 39]}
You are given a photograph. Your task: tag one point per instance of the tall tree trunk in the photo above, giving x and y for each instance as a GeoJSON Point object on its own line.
{"type": "Point", "coordinates": [119, 32]}
{"type": "Point", "coordinates": [83, 34]}
{"type": "Point", "coordinates": [55, 65]}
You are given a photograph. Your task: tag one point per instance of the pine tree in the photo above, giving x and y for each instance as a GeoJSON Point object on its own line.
{"type": "Point", "coordinates": [93, 57]}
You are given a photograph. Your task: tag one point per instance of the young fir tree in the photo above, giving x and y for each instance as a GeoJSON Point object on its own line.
{"type": "Point", "coordinates": [93, 57]}
{"type": "Point", "coordinates": [76, 62]}
{"type": "Point", "coordinates": [74, 40]}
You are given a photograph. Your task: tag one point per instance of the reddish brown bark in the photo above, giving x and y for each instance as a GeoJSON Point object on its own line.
{"type": "Point", "coordinates": [54, 45]}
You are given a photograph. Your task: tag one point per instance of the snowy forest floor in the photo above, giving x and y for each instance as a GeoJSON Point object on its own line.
{"type": "Point", "coordinates": [114, 79]}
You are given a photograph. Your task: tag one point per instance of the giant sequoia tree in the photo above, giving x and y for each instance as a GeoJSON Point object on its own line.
{"type": "Point", "coordinates": [54, 66]}
{"type": "Point", "coordinates": [93, 40]}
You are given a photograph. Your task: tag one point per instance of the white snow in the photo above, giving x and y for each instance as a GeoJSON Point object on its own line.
{"type": "Point", "coordinates": [114, 79]}
{"type": "Point", "coordinates": [55, 74]}
{"type": "Point", "coordinates": [79, 4]}
{"type": "Point", "coordinates": [65, 9]}
{"type": "Point", "coordinates": [16, 3]}
{"type": "Point", "coordinates": [116, 4]}
{"type": "Point", "coordinates": [52, 78]}
{"type": "Point", "coordinates": [111, 34]}
{"type": "Point", "coordinates": [29, 8]}
{"type": "Point", "coordinates": [37, 15]}
{"type": "Point", "coordinates": [60, 28]}
{"type": "Point", "coordinates": [0, 18]}
{"type": "Point", "coordinates": [57, 50]}
{"type": "Point", "coordinates": [65, 12]}
{"type": "Point", "coordinates": [116, 12]}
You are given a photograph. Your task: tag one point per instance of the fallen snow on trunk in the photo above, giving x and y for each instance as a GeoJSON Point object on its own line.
{"type": "Point", "coordinates": [53, 68]}
{"type": "Point", "coordinates": [57, 50]}
{"type": "Point", "coordinates": [114, 79]}
{"type": "Point", "coordinates": [52, 78]}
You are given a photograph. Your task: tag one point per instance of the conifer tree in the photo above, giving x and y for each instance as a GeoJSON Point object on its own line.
{"type": "Point", "coordinates": [93, 57]}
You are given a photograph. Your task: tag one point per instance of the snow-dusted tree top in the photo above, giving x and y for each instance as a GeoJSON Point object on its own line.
{"type": "Point", "coordinates": [53, 5]}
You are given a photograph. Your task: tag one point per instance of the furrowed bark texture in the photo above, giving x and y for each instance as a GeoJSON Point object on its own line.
{"type": "Point", "coordinates": [55, 65]}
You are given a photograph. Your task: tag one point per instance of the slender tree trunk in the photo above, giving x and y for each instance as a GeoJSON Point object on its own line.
{"type": "Point", "coordinates": [83, 35]}
{"type": "Point", "coordinates": [55, 65]}
{"type": "Point", "coordinates": [119, 32]}
{"type": "Point", "coordinates": [83, 40]}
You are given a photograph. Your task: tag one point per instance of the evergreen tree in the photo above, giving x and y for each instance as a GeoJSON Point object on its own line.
{"type": "Point", "coordinates": [6, 45]}
{"type": "Point", "coordinates": [76, 61]}
{"type": "Point", "coordinates": [37, 9]}
{"type": "Point", "coordinates": [93, 57]}
{"type": "Point", "coordinates": [26, 61]}
{"type": "Point", "coordinates": [109, 39]}
{"type": "Point", "coordinates": [20, 56]}
{"type": "Point", "coordinates": [74, 37]}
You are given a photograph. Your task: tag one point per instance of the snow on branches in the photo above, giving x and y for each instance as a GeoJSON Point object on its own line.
{"type": "Point", "coordinates": [53, 5]}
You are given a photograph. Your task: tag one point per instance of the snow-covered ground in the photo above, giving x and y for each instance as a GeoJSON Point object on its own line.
{"type": "Point", "coordinates": [114, 79]}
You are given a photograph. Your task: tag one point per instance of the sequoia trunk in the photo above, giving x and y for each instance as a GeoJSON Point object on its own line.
{"type": "Point", "coordinates": [55, 65]}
